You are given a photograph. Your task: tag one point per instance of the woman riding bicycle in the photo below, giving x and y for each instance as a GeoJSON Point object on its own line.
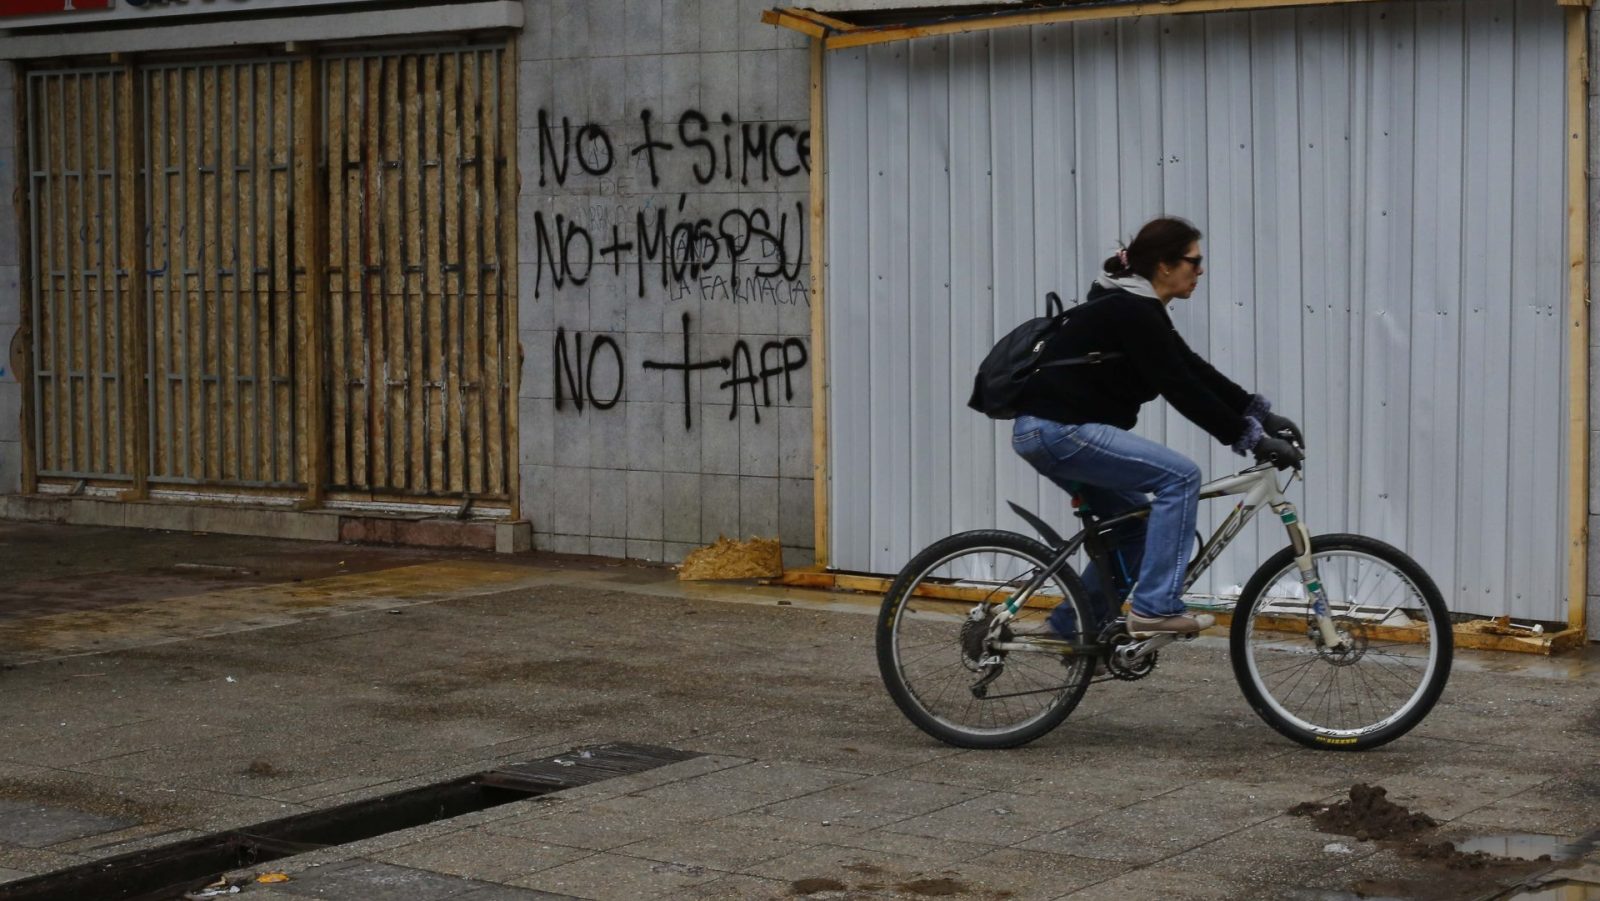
{"type": "Point", "coordinates": [1075, 421]}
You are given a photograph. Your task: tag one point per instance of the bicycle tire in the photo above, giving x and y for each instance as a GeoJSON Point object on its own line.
{"type": "Point", "coordinates": [1377, 645]}
{"type": "Point", "coordinates": [911, 589]}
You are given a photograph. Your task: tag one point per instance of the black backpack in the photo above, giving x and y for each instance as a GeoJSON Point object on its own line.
{"type": "Point", "coordinates": [1015, 358]}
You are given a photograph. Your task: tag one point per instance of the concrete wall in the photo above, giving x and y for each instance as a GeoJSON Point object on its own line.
{"type": "Point", "coordinates": [10, 290]}
{"type": "Point", "coordinates": [663, 224]}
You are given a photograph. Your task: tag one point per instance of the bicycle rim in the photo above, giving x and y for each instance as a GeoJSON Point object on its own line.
{"type": "Point", "coordinates": [1385, 682]}
{"type": "Point", "coordinates": [1033, 690]}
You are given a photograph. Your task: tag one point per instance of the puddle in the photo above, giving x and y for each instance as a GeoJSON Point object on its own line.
{"type": "Point", "coordinates": [1562, 891]}
{"type": "Point", "coordinates": [1526, 846]}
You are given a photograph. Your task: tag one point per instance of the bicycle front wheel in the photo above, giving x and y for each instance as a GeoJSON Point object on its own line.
{"type": "Point", "coordinates": [1391, 666]}
{"type": "Point", "coordinates": [936, 663]}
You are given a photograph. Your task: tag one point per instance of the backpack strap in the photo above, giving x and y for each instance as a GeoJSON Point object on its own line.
{"type": "Point", "coordinates": [1054, 308]}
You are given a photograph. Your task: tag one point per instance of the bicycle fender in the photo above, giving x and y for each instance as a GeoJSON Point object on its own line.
{"type": "Point", "coordinates": [1050, 536]}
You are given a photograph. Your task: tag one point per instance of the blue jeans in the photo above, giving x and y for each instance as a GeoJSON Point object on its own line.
{"type": "Point", "coordinates": [1117, 471]}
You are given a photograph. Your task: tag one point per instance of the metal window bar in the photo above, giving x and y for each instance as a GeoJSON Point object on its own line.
{"type": "Point", "coordinates": [416, 355]}
{"type": "Point", "coordinates": [78, 432]}
{"type": "Point", "coordinates": [222, 345]}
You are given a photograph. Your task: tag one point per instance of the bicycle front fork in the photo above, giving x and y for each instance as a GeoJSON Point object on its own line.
{"type": "Point", "coordinates": [1300, 540]}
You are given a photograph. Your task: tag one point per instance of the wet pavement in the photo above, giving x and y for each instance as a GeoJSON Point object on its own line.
{"type": "Point", "coordinates": [156, 687]}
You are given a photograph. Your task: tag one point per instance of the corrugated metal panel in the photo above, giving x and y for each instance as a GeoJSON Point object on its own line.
{"type": "Point", "coordinates": [1382, 191]}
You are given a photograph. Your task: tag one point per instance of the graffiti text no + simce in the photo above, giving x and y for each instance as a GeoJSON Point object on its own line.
{"type": "Point", "coordinates": [763, 149]}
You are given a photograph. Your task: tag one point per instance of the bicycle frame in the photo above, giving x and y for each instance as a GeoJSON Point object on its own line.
{"type": "Point", "coordinates": [1258, 485]}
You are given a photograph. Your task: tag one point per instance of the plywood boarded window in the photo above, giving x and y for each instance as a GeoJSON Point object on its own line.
{"type": "Point", "coordinates": [420, 198]}
{"type": "Point", "coordinates": [225, 359]}
{"type": "Point", "coordinates": [177, 336]}
{"type": "Point", "coordinates": [78, 297]}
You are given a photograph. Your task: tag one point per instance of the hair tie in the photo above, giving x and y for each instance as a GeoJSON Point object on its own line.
{"type": "Point", "coordinates": [1122, 257]}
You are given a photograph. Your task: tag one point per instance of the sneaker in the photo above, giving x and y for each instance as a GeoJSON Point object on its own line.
{"type": "Point", "coordinates": [1140, 626]}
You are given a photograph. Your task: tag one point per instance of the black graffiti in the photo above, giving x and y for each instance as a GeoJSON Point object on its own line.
{"type": "Point", "coordinates": [779, 358]}
{"type": "Point", "coordinates": [579, 376]}
{"type": "Point", "coordinates": [732, 149]}
{"type": "Point", "coordinates": [786, 364]}
{"type": "Point", "coordinates": [745, 290]}
{"type": "Point", "coordinates": [688, 368]}
{"type": "Point", "coordinates": [593, 148]}
{"type": "Point", "coordinates": [676, 250]}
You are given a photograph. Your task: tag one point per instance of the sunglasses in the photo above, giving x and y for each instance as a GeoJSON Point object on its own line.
{"type": "Point", "coordinates": [1195, 260]}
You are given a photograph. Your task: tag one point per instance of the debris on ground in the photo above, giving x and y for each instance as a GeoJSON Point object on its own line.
{"type": "Point", "coordinates": [1368, 816]}
{"type": "Point", "coordinates": [727, 559]}
{"type": "Point", "coordinates": [262, 768]}
{"type": "Point", "coordinates": [271, 878]}
{"type": "Point", "coordinates": [1501, 625]}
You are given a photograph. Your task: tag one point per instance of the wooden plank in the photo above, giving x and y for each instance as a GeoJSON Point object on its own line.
{"type": "Point", "coordinates": [451, 259]}
{"type": "Point", "coordinates": [432, 201]}
{"type": "Point", "coordinates": [1578, 321]}
{"type": "Point", "coordinates": [24, 202]}
{"type": "Point", "coordinates": [788, 19]}
{"type": "Point", "coordinates": [312, 299]}
{"type": "Point", "coordinates": [863, 36]}
{"type": "Point", "coordinates": [285, 350]}
{"type": "Point", "coordinates": [411, 254]}
{"type": "Point", "coordinates": [393, 374]}
{"type": "Point", "coordinates": [376, 323]}
{"type": "Point", "coordinates": [492, 394]}
{"type": "Point", "coordinates": [509, 188]}
{"type": "Point", "coordinates": [471, 214]}
{"type": "Point", "coordinates": [130, 129]}
{"type": "Point", "coordinates": [335, 134]}
{"type": "Point", "coordinates": [819, 320]}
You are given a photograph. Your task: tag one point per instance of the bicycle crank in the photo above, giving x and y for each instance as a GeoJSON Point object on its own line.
{"type": "Point", "coordinates": [1130, 659]}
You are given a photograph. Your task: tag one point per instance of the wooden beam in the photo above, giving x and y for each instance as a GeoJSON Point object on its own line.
{"type": "Point", "coordinates": [819, 319]}
{"type": "Point", "coordinates": [135, 372]}
{"type": "Point", "coordinates": [21, 348]}
{"type": "Point", "coordinates": [1578, 426]}
{"type": "Point", "coordinates": [889, 33]}
{"type": "Point", "coordinates": [828, 22]}
{"type": "Point", "coordinates": [787, 19]}
{"type": "Point", "coordinates": [311, 245]}
{"type": "Point", "coordinates": [511, 191]}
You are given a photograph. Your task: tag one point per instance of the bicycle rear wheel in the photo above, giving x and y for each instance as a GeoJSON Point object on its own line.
{"type": "Point", "coordinates": [1376, 688]}
{"type": "Point", "coordinates": [933, 658]}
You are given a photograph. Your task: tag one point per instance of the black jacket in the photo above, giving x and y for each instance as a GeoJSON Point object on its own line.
{"type": "Point", "coordinates": [1155, 361]}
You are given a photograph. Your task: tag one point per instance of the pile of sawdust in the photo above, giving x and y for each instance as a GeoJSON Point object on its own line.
{"type": "Point", "coordinates": [726, 559]}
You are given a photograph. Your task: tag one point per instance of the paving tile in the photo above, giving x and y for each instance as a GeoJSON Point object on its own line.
{"type": "Point", "coordinates": [739, 888]}
{"type": "Point", "coordinates": [776, 780]}
{"type": "Point", "coordinates": [875, 801]}
{"type": "Point", "coordinates": [731, 844]}
{"type": "Point", "coordinates": [365, 880]}
{"type": "Point", "coordinates": [615, 877]}
{"type": "Point", "coordinates": [40, 826]}
{"type": "Point", "coordinates": [1168, 885]}
{"type": "Point", "coordinates": [480, 854]}
{"type": "Point", "coordinates": [997, 818]}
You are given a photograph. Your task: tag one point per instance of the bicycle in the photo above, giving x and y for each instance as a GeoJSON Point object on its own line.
{"type": "Point", "coordinates": [1338, 642]}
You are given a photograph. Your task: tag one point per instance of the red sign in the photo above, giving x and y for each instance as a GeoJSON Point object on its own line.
{"type": "Point", "coordinates": [39, 7]}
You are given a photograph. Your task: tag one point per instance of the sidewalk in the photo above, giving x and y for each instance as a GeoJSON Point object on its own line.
{"type": "Point", "coordinates": [210, 698]}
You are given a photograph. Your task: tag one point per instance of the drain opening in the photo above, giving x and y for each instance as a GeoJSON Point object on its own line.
{"type": "Point", "coordinates": [167, 871]}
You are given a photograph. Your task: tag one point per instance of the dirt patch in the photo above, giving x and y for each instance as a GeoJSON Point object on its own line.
{"type": "Point", "coordinates": [1368, 815]}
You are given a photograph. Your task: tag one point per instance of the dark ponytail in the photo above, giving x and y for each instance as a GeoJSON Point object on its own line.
{"type": "Point", "coordinates": [1163, 240]}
